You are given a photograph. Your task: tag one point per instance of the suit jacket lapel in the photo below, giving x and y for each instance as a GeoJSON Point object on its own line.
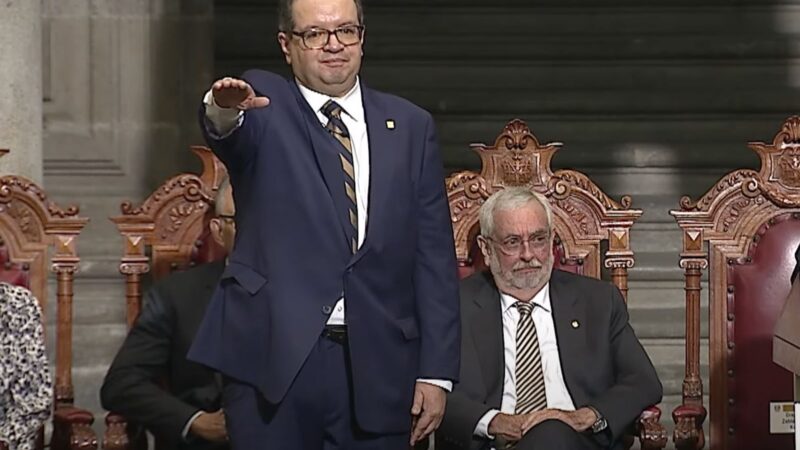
{"type": "Point", "coordinates": [487, 335]}
{"type": "Point", "coordinates": [381, 144]}
{"type": "Point", "coordinates": [327, 157]}
{"type": "Point", "coordinates": [569, 321]}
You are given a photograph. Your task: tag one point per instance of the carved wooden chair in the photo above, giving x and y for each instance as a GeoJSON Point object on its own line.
{"type": "Point", "coordinates": [169, 231]}
{"type": "Point", "coordinates": [38, 236]}
{"type": "Point", "coordinates": [583, 215]}
{"type": "Point", "coordinates": [744, 230]}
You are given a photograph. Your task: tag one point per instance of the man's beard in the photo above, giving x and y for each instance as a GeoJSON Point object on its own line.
{"type": "Point", "coordinates": [523, 281]}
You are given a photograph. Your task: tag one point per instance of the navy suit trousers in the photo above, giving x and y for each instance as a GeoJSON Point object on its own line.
{"type": "Point", "coordinates": [316, 414]}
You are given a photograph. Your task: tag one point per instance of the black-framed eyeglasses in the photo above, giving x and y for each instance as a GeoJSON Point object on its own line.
{"type": "Point", "coordinates": [317, 38]}
{"type": "Point", "coordinates": [513, 245]}
{"type": "Point", "coordinates": [226, 217]}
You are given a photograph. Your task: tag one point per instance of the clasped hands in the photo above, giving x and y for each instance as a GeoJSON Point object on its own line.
{"type": "Point", "coordinates": [510, 428]}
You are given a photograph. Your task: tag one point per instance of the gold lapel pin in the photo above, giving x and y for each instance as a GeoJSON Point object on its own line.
{"type": "Point", "coordinates": [576, 324]}
{"type": "Point", "coordinates": [390, 124]}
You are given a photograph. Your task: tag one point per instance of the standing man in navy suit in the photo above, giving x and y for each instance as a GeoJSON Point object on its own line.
{"type": "Point", "coordinates": [336, 323]}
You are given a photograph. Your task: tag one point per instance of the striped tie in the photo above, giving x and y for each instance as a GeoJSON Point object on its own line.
{"type": "Point", "coordinates": [530, 378]}
{"type": "Point", "coordinates": [338, 129]}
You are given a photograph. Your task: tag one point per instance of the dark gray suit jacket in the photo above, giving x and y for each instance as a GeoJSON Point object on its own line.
{"type": "Point", "coordinates": [155, 351]}
{"type": "Point", "coordinates": [603, 363]}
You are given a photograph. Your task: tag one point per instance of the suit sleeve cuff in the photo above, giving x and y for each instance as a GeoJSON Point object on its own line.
{"type": "Point", "coordinates": [188, 426]}
{"type": "Point", "coordinates": [447, 385]}
{"type": "Point", "coordinates": [221, 122]}
{"type": "Point", "coordinates": [482, 428]}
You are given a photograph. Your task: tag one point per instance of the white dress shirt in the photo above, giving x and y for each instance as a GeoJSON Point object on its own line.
{"type": "Point", "coordinates": [225, 121]}
{"type": "Point", "coordinates": [353, 118]}
{"type": "Point", "coordinates": [554, 386]}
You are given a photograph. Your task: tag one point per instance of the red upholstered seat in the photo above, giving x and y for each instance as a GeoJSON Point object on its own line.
{"type": "Point", "coordinates": [11, 272]}
{"type": "Point", "coordinates": [744, 230]}
{"type": "Point", "coordinates": [758, 286]}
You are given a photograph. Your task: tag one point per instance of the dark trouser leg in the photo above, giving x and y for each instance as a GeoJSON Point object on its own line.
{"type": "Point", "coordinates": [555, 435]}
{"type": "Point", "coordinates": [295, 423]}
{"type": "Point", "coordinates": [316, 414]}
{"type": "Point", "coordinates": [341, 430]}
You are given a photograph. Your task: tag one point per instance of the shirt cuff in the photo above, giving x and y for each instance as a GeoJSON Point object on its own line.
{"type": "Point", "coordinates": [482, 428]}
{"type": "Point", "coordinates": [447, 385]}
{"type": "Point", "coordinates": [188, 426]}
{"type": "Point", "coordinates": [221, 122]}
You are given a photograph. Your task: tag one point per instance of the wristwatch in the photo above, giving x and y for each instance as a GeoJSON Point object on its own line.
{"type": "Point", "coordinates": [600, 424]}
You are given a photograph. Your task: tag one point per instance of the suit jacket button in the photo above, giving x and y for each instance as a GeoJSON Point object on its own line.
{"type": "Point", "coordinates": [326, 309]}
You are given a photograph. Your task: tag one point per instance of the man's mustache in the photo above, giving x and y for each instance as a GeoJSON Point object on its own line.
{"type": "Point", "coordinates": [532, 264]}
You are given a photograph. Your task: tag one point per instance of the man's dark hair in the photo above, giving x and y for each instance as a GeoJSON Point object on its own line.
{"type": "Point", "coordinates": [286, 21]}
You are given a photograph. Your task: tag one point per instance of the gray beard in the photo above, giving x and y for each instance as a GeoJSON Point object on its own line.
{"type": "Point", "coordinates": [522, 281]}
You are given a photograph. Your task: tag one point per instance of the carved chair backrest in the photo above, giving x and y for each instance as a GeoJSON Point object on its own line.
{"type": "Point", "coordinates": [744, 230]}
{"type": "Point", "coordinates": [169, 230]}
{"type": "Point", "coordinates": [36, 237]}
{"type": "Point", "coordinates": [583, 215]}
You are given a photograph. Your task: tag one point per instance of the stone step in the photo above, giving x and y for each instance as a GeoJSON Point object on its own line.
{"type": "Point", "coordinates": [92, 345]}
{"type": "Point", "coordinates": [657, 295]}
{"type": "Point", "coordinates": [652, 180]}
{"type": "Point", "coordinates": [668, 357]}
{"type": "Point", "coordinates": [658, 266]}
{"type": "Point", "coordinates": [95, 301]}
{"type": "Point", "coordinates": [656, 237]}
{"type": "Point", "coordinates": [657, 310]}
{"type": "Point", "coordinates": [716, 141]}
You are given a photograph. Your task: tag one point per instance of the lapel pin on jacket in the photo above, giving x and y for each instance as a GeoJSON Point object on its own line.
{"type": "Point", "coordinates": [390, 124]}
{"type": "Point", "coordinates": [576, 324]}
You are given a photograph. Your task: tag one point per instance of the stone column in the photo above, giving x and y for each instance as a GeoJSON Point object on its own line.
{"type": "Point", "coordinates": [122, 83]}
{"type": "Point", "coordinates": [21, 85]}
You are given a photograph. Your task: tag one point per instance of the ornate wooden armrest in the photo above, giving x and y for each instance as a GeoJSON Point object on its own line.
{"type": "Point", "coordinates": [652, 435]}
{"type": "Point", "coordinates": [688, 433]}
{"type": "Point", "coordinates": [72, 429]}
{"type": "Point", "coordinates": [116, 435]}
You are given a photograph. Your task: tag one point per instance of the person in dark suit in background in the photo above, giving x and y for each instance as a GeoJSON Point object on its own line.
{"type": "Point", "coordinates": [344, 262]}
{"type": "Point", "coordinates": [548, 358]}
{"type": "Point", "coordinates": [188, 414]}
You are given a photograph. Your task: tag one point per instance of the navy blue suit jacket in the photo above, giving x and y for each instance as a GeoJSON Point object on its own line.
{"type": "Point", "coordinates": [292, 261]}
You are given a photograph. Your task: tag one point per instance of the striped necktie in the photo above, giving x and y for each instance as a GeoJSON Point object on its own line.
{"type": "Point", "coordinates": [338, 129]}
{"type": "Point", "coordinates": [530, 378]}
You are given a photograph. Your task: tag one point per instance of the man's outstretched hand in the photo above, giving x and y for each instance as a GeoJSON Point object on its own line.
{"type": "Point", "coordinates": [234, 93]}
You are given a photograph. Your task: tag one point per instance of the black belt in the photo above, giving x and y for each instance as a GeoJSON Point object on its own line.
{"type": "Point", "coordinates": [336, 333]}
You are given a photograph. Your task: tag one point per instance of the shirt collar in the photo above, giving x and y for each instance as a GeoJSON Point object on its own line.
{"type": "Point", "coordinates": [541, 299]}
{"type": "Point", "coordinates": [350, 102]}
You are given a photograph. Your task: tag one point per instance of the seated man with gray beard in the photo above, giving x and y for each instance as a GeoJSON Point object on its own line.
{"type": "Point", "coordinates": [548, 358]}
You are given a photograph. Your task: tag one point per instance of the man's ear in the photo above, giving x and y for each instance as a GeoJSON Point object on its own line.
{"type": "Point", "coordinates": [216, 231]}
{"type": "Point", "coordinates": [485, 249]}
{"type": "Point", "coordinates": [283, 41]}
